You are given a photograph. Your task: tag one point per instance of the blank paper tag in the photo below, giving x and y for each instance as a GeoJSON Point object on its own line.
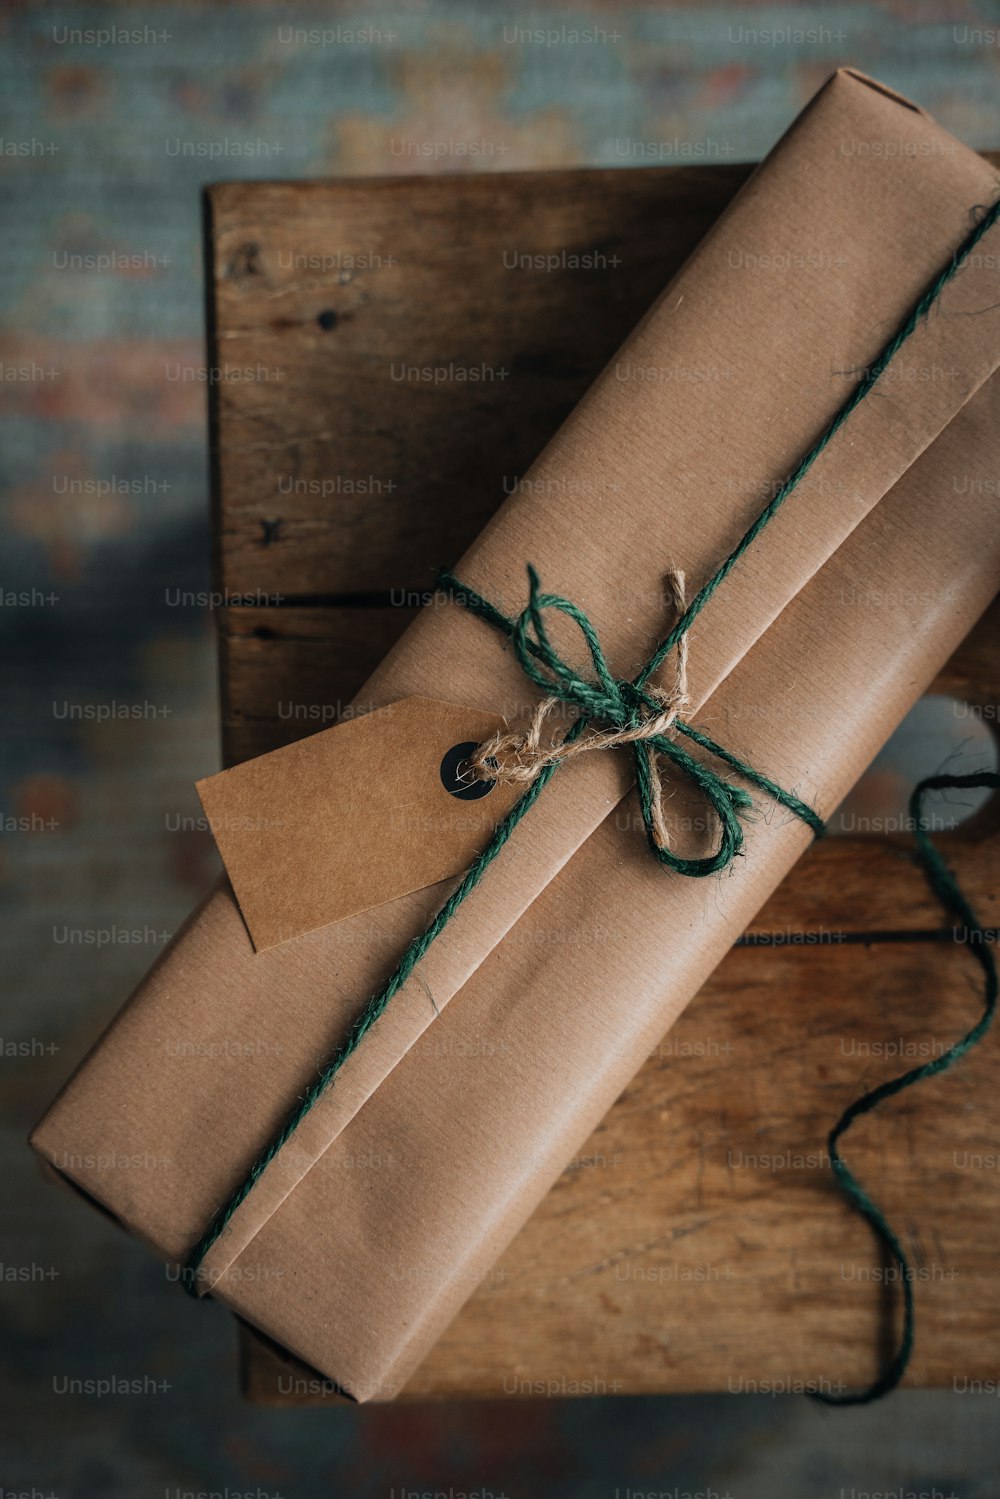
{"type": "Point", "coordinates": [352, 817]}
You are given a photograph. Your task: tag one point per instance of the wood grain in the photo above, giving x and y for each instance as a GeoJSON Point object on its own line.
{"type": "Point", "coordinates": [697, 1242]}
{"type": "Point", "coordinates": [412, 273]}
{"type": "Point", "coordinates": [665, 1259]}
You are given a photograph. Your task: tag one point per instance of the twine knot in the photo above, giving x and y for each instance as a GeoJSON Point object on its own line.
{"type": "Point", "coordinates": [630, 714]}
{"type": "Point", "coordinates": [612, 712]}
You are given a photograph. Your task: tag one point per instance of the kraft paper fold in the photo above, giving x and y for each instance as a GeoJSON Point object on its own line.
{"type": "Point", "coordinates": [725, 383]}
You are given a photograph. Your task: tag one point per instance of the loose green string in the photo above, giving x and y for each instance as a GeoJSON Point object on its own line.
{"type": "Point", "coordinates": [945, 887]}
{"type": "Point", "coordinates": [627, 700]}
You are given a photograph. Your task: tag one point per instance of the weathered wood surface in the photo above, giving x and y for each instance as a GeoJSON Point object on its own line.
{"type": "Point", "coordinates": [336, 476]}
{"type": "Point", "coordinates": [665, 1259]}
{"type": "Point", "coordinates": [697, 1242]}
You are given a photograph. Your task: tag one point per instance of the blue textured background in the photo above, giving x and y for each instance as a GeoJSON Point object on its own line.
{"type": "Point", "coordinates": [105, 516]}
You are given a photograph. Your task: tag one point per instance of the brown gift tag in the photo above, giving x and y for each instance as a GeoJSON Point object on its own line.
{"type": "Point", "coordinates": [352, 817]}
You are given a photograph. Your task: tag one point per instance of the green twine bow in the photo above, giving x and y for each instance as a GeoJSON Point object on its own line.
{"type": "Point", "coordinates": [626, 704]}
{"type": "Point", "coordinates": [617, 701]}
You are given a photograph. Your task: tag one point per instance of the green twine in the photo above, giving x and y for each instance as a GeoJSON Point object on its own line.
{"type": "Point", "coordinates": [360, 1027]}
{"type": "Point", "coordinates": [619, 701]}
{"type": "Point", "coordinates": [945, 887]}
{"type": "Point", "coordinates": [622, 704]}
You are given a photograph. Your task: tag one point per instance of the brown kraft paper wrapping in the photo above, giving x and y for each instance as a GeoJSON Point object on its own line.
{"type": "Point", "coordinates": [725, 383]}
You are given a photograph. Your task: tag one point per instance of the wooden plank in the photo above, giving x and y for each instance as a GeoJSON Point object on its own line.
{"type": "Point", "coordinates": [290, 672]}
{"type": "Point", "coordinates": [335, 475]}
{"type": "Point", "coordinates": [697, 1242]}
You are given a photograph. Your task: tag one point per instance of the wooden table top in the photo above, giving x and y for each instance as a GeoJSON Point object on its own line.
{"type": "Point", "coordinates": [697, 1243]}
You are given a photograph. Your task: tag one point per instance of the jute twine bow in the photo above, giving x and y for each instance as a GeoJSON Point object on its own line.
{"type": "Point", "coordinates": [617, 711]}
{"type": "Point", "coordinates": [632, 715]}
{"type": "Point", "coordinates": [620, 711]}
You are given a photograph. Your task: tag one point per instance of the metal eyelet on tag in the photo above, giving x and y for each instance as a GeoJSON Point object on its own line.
{"type": "Point", "coordinates": [452, 778]}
